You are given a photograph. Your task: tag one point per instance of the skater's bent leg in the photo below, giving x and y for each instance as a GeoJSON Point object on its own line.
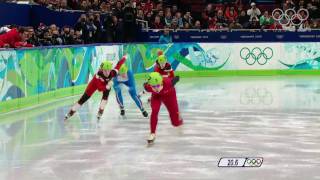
{"type": "Point", "coordinates": [119, 96]}
{"type": "Point", "coordinates": [103, 102]}
{"type": "Point", "coordinates": [172, 105]}
{"type": "Point", "coordinates": [155, 106]}
{"type": "Point", "coordinates": [134, 96]}
{"type": "Point", "coordinates": [77, 105]}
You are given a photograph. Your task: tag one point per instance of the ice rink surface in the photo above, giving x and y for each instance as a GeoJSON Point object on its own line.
{"type": "Point", "coordinates": [276, 118]}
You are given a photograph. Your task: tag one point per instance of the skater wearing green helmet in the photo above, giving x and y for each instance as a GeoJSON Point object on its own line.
{"type": "Point", "coordinates": [101, 81]}
{"type": "Point", "coordinates": [163, 66]}
{"type": "Point", "coordinates": [163, 91]}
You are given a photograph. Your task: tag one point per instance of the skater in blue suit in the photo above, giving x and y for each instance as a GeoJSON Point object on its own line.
{"type": "Point", "coordinates": [126, 78]}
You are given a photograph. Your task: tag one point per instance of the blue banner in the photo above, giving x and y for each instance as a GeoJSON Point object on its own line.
{"type": "Point", "coordinates": [313, 36]}
{"type": "Point", "coordinates": [33, 15]}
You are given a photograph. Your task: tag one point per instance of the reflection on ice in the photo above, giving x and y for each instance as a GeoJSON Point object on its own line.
{"type": "Point", "coordinates": [274, 118]}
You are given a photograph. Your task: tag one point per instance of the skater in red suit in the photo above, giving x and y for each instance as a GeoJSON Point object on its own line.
{"type": "Point", "coordinates": [101, 81]}
{"type": "Point", "coordinates": [163, 91]}
{"type": "Point", "coordinates": [163, 66]}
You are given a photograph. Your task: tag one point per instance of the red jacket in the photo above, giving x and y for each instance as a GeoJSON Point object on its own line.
{"type": "Point", "coordinates": [167, 71]}
{"type": "Point", "coordinates": [13, 39]}
{"type": "Point", "coordinates": [230, 17]}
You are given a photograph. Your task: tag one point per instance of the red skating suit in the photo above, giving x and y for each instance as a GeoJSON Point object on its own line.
{"type": "Point", "coordinates": [168, 97]}
{"type": "Point", "coordinates": [167, 71]}
{"type": "Point", "coordinates": [99, 81]}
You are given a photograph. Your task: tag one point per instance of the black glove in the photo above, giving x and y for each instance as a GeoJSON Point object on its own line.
{"type": "Point", "coordinates": [175, 80]}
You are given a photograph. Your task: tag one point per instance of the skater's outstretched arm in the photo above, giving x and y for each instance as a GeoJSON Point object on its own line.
{"type": "Point", "coordinates": [114, 72]}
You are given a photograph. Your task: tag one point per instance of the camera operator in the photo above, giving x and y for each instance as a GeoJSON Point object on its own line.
{"type": "Point", "coordinates": [82, 27]}
{"type": "Point", "coordinates": [129, 22]}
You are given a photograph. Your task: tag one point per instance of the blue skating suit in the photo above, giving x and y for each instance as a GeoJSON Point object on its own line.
{"type": "Point", "coordinates": [129, 82]}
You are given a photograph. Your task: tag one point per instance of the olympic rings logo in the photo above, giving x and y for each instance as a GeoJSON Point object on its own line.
{"type": "Point", "coordinates": [290, 16]}
{"type": "Point", "coordinates": [254, 162]}
{"type": "Point", "coordinates": [256, 55]}
{"type": "Point", "coordinates": [256, 96]}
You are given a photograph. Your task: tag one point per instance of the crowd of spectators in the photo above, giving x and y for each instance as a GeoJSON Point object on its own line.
{"type": "Point", "coordinates": [232, 16]}
{"type": "Point", "coordinates": [116, 20]}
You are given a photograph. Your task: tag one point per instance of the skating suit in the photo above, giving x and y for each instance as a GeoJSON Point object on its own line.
{"type": "Point", "coordinates": [168, 97]}
{"type": "Point", "coordinates": [167, 71]}
{"type": "Point", "coordinates": [127, 80]}
{"type": "Point", "coordinates": [100, 81]}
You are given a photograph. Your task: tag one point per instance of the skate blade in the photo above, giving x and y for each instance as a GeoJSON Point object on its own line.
{"type": "Point", "coordinates": [150, 143]}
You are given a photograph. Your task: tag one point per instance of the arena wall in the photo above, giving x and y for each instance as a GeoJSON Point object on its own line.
{"type": "Point", "coordinates": [33, 76]}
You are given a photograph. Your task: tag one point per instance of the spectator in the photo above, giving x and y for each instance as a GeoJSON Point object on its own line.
{"type": "Point", "coordinates": [97, 23]}
{"type": "Point", "coordinates": [148, 6]}
{"type": "Point", "coordinates": [168, 19]}
{"type": "Point", "coordinates": [165, 37]}
{"type": "Point", "coordinates": [243, 19]}
{"type": "Point", "coordinates": [209, 11]}
{"type": "Point", "coordinates": [161, 15]}
{"type": "Point", "coordinates": [213, 24]}
{"type": "Point", "coordinates": [221, 20]}
{"type": "Point", "coordinates": [289, 27]}
{"type": "Point", "coordinates": [118, 10]}
{"type": "Point", "coordinates": [315, 24]}
{"type": "Point", "coordinates": [66, 35]}
{"type": "Point", "coordinates": [47, 39]}
{"type": "Point", "coordinates": [235, 25]}
{"type": "Point", "coordinates": [205, 20]}
{"type": "Point", "coordinates": [32, 38]}
{"type": "Point", "coordinates": [85, 5]}
{"type": "Point", "coordinates": [231, 14]}
{"type": "Point", "coordinates": [305, 26]}
{"type": "Point", "coordinates": [77, 38]}
{"type": "Point", "coordinates": [140, 15]}
{"type": "Point", "coordinates": [157, 23]}
{"type": "Point", "coordinates": [174, 24]}
{"type": "Point", "coordinates": [301, 4]}
{"type": "Point", "coordinates": [64, 5]}
{"type": "Point", "coordinates": [186, 26]}
{"type": "Point", "coordinates": [179, 19]}
{"type": "Point", "coordinates": [266, 20]}
{"type": "Point", "coordinates": [174, 9]}
{"type": "Point", "coordinates": [197, 25]}
{"type": "Point", "coordinates": [82, 27]}
{"type": "Point", "coordinates": [239, 9]}
{"type": "Point", "coordinates": [105, 8]}
{"type": "Point", "coordinates": [95, 5]}
{"type": "Point", "coordinates": [129, 22]}
{"type": "Point", "coordinates": [276, 25]}
{"type": "Point", "coordinates": [92, 29]}
{"type": "Point", "coordinates": [14, 38]}
{"type": "Point", "coordinates": [149, 18]}
{"type": "Point", "coordinates": [187, 18]}
{"type": "Point", "coordinates": [290, 4]}
{"type": "Point", "coordinates": [117, 32]}
{"type": "Point", "coordinates": [314, 12]}
{"type": "Point", "coordinates": [107, 33]}
{"type": "Point", "coordinates": [56, 39]}
{"type": "Point", "coordinates": [254, 24]}
{"type": "Point", "coordinates": [254, 12]}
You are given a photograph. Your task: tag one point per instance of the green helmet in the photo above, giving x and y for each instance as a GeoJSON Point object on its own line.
{"type": "Point", "coordinates": [162, 59]}
{"type": "Point", "coordinates": [123, 69]}
{"type": "Point", "coordinates": [154, 79]}
{"type": "Point", "coordinates": [106, 65]}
